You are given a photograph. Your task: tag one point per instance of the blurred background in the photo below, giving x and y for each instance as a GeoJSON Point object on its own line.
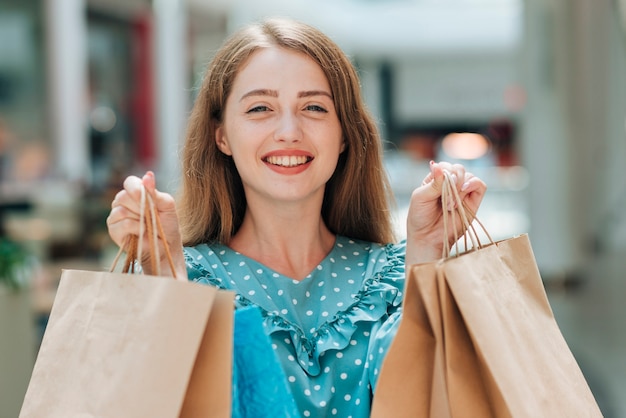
{"type": "Point", "coordinates": [528, 94]}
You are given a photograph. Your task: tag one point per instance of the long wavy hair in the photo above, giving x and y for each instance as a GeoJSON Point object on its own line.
{"type": "Point", "coordinates": [212, 202]}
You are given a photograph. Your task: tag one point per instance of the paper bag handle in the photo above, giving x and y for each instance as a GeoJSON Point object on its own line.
{"type": "Point", "coordinates": [450, 194]}
{"type": "Point", "coordinates": [149, 225]}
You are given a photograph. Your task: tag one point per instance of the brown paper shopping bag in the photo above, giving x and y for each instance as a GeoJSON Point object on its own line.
{"type": "Point", "coordinates": [478, 339]}
{"type": "Point", "coordinates": [120, 345]}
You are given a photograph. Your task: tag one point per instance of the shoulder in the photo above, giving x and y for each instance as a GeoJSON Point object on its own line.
{"type": "Point", "coordinates": [204, 265]}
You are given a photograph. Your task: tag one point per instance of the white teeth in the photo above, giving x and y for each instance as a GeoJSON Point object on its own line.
{"type": "Point", "coordinates": [287, 161]}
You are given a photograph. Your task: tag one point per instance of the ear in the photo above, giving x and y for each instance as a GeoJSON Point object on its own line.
{"type": "Point", "coordinates": [343, 146]}
{"type": "Point", "coordinates": [222, 143]}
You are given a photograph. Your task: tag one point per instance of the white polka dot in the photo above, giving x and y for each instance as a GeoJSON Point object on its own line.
{"type": "Point", "coordinates": [381, 350]}
{"type": "Point", "coordinates": [334, 411]}
{"type": "Point", "coordinates": [306, 413]}
{"type": "Point", "coordinates": [339, 354]}
{"type": "Point", "coordinates": [246, 277]}
{"type": "Point", "coordinates": [343, 376]}
{"type": "Point", "coordinates": [292, 379]}
{"type": "Point", "coordinates": [275, 275]}
{"type": "Point", "coordinates": [366, 333]}
{"type": "Point", "coordinates": [358, 362]}
{"type": "Point", "coordinates": [324, 314]}
{"type": "Point", "coordinates": [337, 290]}
{"type": "Point", "coordinates": [348, 268]}
{"type": "Point", "coordinates": [323, 403]}
{"type": "Point", "coordinates": [309, 313]}
{"type": "Point", "coordinates": [326, 369]}
{"type": "Point", "coordinates": [333, 274]}
{"type": "Point", "coordinates": [344, 257]}
{"type": "Point", "coordinates": [291, 358]}
{"type": "Point", "coordinates": [375, 372]}
{"type": "Point", "coordinates": [214, 266]}
{"type": "Point", "coordinates": [358, 401]}
{"type": "Point", "coordinates": [264, 286]}
{"type": "Point", "coordinates": [353, 342]}
{"type": "Point", "coordinates": [284, 311]}
{"type": "Point", "coordinates": [351, 281]}
{"type": "Point", "coordinates": [347, 397]}
{"type": "Point", "coordinates": [287, 341]}
{"type": "Point", "coordinates": [320, 284]}
{"type": "Point", "coordinates": [355, 253]}
{"type": "Point", "coordinates": [332, 259]}
{"type": "Point", "coordinates": [251, 293]}
{"type": "Point", "coordinates": [294, 301]}
{"type": "Point", "coordinates": [242, 263]}
{"type": "Point", "coordinates": [274, 346]}
{"type": "Point", "coordinates": [260, 271]}
{"type": "Point", "coordinates": [317, 387]}
{"type": "Point", "coordinates": [332, 389]}
{"type": "Point", "coordinates": [323, 298]}
{"type": "Point", "coordinates": [319, 267]}
{"type": "Point", "coordinates": [340, 304]}
{"type": "Point", "coordinates": [280, 292]}
{"type": "Point", "coordinates": [307, 392]}
{"type": "Point", "coordinates": [307, 294]}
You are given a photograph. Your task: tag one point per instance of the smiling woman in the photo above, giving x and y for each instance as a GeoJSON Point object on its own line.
{"type": "Point", "coordinates": [285, 202]}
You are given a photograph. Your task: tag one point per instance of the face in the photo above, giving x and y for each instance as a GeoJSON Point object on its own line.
{"type": "Point", "coordinates": [281, 127]}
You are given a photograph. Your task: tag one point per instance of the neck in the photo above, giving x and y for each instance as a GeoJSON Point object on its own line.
{"type": "Point", "coordinates": [291, 241]}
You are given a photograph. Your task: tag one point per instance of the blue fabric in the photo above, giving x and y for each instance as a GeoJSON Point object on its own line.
{"type": "Point", "coordinates": [330, 331]}
{"type": "Point", "coordinates": [259, 385]}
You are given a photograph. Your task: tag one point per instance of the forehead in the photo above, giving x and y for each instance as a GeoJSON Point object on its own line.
{"type": "Point", "coordinates": [272, 67]}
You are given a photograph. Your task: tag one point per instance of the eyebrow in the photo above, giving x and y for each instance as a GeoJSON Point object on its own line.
{"type": "Point", "coordinates": [274, 93]}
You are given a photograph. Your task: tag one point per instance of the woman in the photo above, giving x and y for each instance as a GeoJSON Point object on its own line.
{"type": "Point", "coordinates": [285, 201]}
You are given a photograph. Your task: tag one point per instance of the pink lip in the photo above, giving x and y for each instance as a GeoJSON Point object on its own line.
{"type": "Point", "coordinates": [286, 153]}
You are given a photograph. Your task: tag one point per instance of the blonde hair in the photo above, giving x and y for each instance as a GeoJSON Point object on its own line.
{"type": "Point", "coordinates": [212, 202]}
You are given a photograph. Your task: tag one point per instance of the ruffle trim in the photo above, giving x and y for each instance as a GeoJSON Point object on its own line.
{"type": "Point", "coordinates": [371, 304]}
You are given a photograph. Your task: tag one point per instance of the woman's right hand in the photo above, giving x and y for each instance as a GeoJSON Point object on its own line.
{"type": "Point", "coordinates": [123, 221]}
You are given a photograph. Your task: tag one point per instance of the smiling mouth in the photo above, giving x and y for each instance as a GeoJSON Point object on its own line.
{"type": "Point", "coordinates": [288, 160]}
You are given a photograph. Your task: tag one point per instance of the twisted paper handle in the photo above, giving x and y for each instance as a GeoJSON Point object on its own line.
{"type": "Point", "coordinates": [449, 194]}
{"type": "Point", "coordinates": [150, 226]}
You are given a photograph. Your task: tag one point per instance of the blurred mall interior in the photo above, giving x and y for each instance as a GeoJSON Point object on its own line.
{"type": "Point", "coordinates": [529, 94]}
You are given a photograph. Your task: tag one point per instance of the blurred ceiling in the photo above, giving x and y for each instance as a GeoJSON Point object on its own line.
{"type": "Point", "coordinates": [376, 27]}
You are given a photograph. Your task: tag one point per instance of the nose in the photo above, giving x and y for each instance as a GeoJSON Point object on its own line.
{"type": "Point", "coordinates": [288, 128]}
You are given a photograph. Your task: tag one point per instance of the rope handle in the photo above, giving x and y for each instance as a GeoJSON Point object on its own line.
{"type": "Point", "coordinates": [150, 226]}
{"type": "Point", "coordinates": [450, 194]}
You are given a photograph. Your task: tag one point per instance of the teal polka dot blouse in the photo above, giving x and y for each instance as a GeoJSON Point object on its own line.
{"type": "Point", "coordinates": [331, 330]}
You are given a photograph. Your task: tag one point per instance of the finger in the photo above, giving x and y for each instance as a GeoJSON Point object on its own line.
{"type": "Point", "coordinates": [149, 181]}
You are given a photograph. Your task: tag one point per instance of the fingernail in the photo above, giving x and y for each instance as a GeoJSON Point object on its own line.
{"type": "Point", "coordinates": [465, 186]}
{"type": "Point", "coordinates": [432, 163]}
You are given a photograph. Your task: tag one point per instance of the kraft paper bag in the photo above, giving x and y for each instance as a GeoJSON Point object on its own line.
{"type": "Point", "coordinates": [478, 339]}
{"type": "Point", "coordinates": [121, 345]}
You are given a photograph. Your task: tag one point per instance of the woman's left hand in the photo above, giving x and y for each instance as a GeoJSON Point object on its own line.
{"type": "Point", "coordinates": [425, 231]}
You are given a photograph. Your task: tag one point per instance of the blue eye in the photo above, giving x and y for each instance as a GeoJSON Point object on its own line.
{"type": "Point", "coordinates": [316, 108]}
{"type": "Point", "coordinates": [258, 109]}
